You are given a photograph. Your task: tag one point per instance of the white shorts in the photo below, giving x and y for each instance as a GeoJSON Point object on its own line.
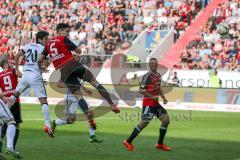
{"type": "Point", "coordinates": [5, 113]}
{"type": "Point", "coordinates": [32, 80]}
{"type": "Point", "coordinates": [71, 107]}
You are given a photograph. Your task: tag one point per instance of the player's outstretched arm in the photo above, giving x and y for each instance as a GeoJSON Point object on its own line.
{"type": "Point", "coordinates": [16, 59]}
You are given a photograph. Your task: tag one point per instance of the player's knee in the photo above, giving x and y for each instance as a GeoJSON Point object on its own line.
{"type": "Point", "coordinates": [43, 100]}
{"type": "Point", "coordinates": [11, 121]}
{"type": "Point", "coordinates": [16, 94]}
{"type": "Point", "coordinates": [88, 76]}
{"type": "Point", "coordinates": [166, 120]}
{"type": "Point", "coordinates": [74, 89]}
{"type": "Point", "coordinates": [143, 124]}
{"type": "Point", "coordinates": [90, 115]}
{"type": "Point", "coordinates": [71, 119]}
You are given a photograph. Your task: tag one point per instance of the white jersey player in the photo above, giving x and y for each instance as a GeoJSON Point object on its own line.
{"type": "Point", "coordinates": [32, 76]}
{"type": "Point", "coordinates": [7, 117]}
{"type": "Point", "coordinates": [71, 106]}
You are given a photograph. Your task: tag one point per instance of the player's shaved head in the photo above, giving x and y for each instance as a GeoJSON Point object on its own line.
{"type": "Point", "coordinates": [153, 59]}
{"type": "Point", "coordinates": [62, 26]}
{"type": "Point", "coordinates": [153, 64]}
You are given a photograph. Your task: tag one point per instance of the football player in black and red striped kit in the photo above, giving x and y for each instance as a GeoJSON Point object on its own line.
{"type": "Point", "coordinates": [60, 50]}
{"type": "Point", "coordinates": [151, 89]}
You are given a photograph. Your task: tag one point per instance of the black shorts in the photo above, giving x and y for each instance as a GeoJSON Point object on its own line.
{"type": "Point", "coordinates": [148, 112]}
{"type": "Point", "coordinates": [72, 72]}
{"type": "Point", "coordinates": [16, 112]}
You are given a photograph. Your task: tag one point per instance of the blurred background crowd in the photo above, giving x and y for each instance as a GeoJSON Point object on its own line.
{"type": "Point", "coordinates": [98, 26]}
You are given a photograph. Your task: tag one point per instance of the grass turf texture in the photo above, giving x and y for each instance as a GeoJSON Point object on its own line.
{"type": "Point", "coordinates": [192, 136]}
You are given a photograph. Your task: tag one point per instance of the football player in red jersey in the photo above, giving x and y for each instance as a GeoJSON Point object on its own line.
{"type": "Point", "coordinates": [151, 89]}
{"type": "Point", "coordinates": [8, 84]}
{"type": "Point", "coordinates": [60, 50]}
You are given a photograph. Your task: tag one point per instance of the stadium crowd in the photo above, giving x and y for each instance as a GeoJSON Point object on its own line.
{"type": "Point", "coordinates": [211, 50]}
{"type": "Point", "coordinates": [98, 26]}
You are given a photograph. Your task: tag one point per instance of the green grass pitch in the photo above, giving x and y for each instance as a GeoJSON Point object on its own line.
{"type": "Point", "coordinates": [192, 136]}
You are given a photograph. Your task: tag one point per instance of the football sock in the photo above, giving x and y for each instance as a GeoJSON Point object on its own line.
{"type": "Point", "coordinates": [46, 115]}
{"type": "Point", "coordinates": [163, 131]}
{"type": "Point", "coordinates": [11, 129]}
{"type": "Point", "coordinates": [91, 131]}
{"type": "Point", "coordinates": [134, 134]}
{"type": "Point", "coordinates": [16, 138]}
{"type": "Point", "coordinates": [83, 105]}
{"type": "Point", "coordinates": [61, 121]}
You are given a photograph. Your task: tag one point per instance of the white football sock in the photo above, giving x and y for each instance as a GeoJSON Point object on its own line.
{"type": "Point", "coordinates": [11, 129]}
{"type": "Point", "coordinates": [91, 131]}
{"type": "Point", "coordinates": [46, 115]}
{"type": "Point", "coordinates": [61, 121]}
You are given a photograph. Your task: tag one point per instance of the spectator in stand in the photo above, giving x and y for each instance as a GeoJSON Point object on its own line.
{"type": "Point", "coordinates": [21, 19]}
{"type": "Point", "coordinates": [215, 62]}
{"type": "Point", "coordinates": [204, 50]}
{"type": "Point", "coordinates": [223, 50]}
{"type": "Point", "coordinates": [205, 62]}
{"type": "Point", "coordinates": [35, 18]}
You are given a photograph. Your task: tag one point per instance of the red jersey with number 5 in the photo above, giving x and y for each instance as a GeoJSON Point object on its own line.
{"type": "Point", "coordinates": [60, 51]}
{"type": "Point", "coordinates": [8, 82]}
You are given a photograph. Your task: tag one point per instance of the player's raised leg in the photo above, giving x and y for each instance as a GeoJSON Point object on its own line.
{"type": "Point", "coordinates": [102, 91]}
{"type": "Point", "coordinates": [75, 98]}
{"type": "Point", "coordinates": [82, 104]}
{"type": "Point", "coordinates": [70, 112]}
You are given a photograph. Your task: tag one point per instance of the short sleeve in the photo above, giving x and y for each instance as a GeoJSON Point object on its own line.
{"type": "Point", "coordinates": [45, 52]}
{"type": "Point", "coordinates": [70, 44]}
{"type": "Point", "coordinates": [24, 50]}
{"type": "Point", "coordinates": [144, 81]}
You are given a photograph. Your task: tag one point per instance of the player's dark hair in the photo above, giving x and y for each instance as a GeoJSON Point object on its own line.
{"type": "Point", "coordinates": [153, 59]}
{"type": "Point", "coordinates": [40, 35]}
{"type": "Point", "coordinates": [3, 61]}
{"type": "Point", "coordinates": [61, 26]}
